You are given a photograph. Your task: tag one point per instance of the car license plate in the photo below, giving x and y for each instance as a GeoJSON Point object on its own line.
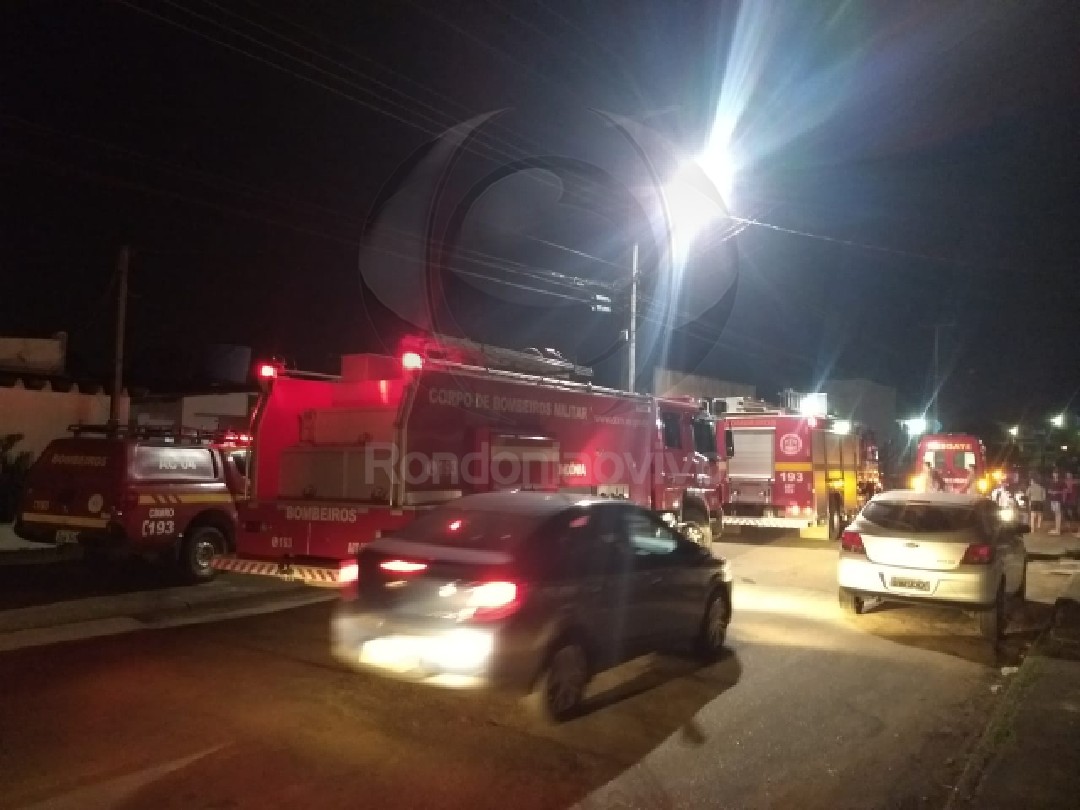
{"type": "Point", "coordinates": [910, 584]}
{"type": "Point", "coordinates": [392, 653]}
{"type": "Point", "coordinates": [66, 537]}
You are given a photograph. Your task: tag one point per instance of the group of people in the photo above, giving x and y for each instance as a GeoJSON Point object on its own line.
{"type": "Point", "coordinates": [1059, 493]}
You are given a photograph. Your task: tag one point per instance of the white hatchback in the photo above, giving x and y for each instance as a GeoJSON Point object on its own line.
{"type": "Point", "coordinates": [934, 548]}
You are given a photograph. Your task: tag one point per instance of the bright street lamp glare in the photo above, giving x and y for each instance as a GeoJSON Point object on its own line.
{"type": "Point", "coordinates": [719, 166]}
{"type": "Point", "coordinates": [1058, 421]}
{"type": "Point", "coordinates": [1014, 431]}
{"type": "Point", "coordinates": [917, 424]}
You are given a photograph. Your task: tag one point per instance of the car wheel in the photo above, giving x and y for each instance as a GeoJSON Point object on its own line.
{"type": "Point", "coordinates": [697, 527]}
{"type": "Point", "coordinates": [1021, 592]}
{"type": "Point", "coordinates": [712, 633]}
{"type": "Point", "coordinates": [560, 688]}
{"type": "Point", "coordinates": [197, 552]}
{"type": "Point", "coordinates": [851, 602]}
{"type": "Point", "coordinates": [992, 620]}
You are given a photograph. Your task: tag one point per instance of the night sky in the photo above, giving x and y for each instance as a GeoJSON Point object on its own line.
{"type": "Point", "coordinates": [902, 164]}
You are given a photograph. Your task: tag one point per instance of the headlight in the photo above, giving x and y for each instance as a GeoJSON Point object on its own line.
{"type": "Point", "coordinates": [983, 485]}
{"type": "Point", "coordinates": [915, 482]}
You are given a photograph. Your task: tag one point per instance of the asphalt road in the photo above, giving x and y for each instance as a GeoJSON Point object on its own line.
{"type": "Point", "coordinates": [810, 709]}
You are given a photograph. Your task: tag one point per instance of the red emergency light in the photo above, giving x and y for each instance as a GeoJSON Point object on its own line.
{"type": "Point", "coordinates": [412, 361]}
{"type": "Point", "coordinates": [267, 371]}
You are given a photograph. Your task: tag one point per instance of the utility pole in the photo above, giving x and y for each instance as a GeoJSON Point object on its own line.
{"type": "Point", "coordinates": [122, 262]}
{"type": "Point", "coordinates": [632, 332]}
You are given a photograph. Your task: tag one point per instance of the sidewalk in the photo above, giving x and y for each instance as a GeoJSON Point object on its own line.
{"type": "Point", "coordinates": [1042, 544]}
{"type": "Point", "coordinates": [1030, 754]}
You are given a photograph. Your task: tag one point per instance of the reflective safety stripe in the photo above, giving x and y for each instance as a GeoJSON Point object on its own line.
{"type": "Point", "coordinates": [65, 520]}
{"type": "Point", "coordinates": [307, 574]}
{"type": "Point", "coordinates": [794, 466]}
{"type": "Point", "coordinates": [201, 497]}
{"type": "Point", "coordinates": [768, 523]}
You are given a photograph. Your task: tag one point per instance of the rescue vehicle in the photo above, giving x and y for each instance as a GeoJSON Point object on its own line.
{"type": "Point", "coordinates": [338, 461]}
{"type": "Point", "coordinates": [952, 455]}
{"type": "Point", "coordinates": [791, 470]}
{"type": "Point", "coordinates": [166, 494]}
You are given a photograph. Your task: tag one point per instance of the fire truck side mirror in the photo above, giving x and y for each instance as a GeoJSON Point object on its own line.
{"type": "Point", "coordinates": [729, 443]}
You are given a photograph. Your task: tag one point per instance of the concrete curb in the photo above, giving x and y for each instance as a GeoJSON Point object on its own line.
{"type": "Point", "coordinates": [107, 615]}
{"type": "Point", "coordinates": [985, 749]}
{"type": "Point", "coordinates": [1064, 628]}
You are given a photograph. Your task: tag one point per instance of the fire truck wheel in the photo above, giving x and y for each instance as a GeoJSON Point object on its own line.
{"type": "Point", "coordinates": [560, 687]}
{"type": "Point", "coordinates": [197, 551]}
{"type": "Point", "coordinates": [697, 528]}
{"type": "Point", "coordinates": [836, 520]}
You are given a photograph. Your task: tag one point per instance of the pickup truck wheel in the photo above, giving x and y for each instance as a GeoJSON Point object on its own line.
{"type": "Point", "coordinates": [697, 527]}
{"type": "Point", "coordinates": [197, 551]}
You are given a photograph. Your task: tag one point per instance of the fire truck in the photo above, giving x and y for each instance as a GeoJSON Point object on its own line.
{"type": "Point", "coordinates": [791, 470]}
{"type": "Point", "coordinates": [951, 455]}
{"type": "Point", "coordinates": [338, 461]}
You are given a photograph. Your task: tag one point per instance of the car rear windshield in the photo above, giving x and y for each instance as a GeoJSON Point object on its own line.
{"type": "Point", "coordinates": [920, 517]}
{"type": "Point", "coordinates": [471, 528]}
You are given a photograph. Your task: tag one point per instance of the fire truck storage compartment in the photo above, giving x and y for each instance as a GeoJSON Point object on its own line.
{"type": "Point", "coordinates": [753, 453]}
{"type": "Point", "coordinates": [348, 425]}
{"type": "Point", "coordinates": [526, 462]}
{"type": "Point", "coordinates": [342, 473]}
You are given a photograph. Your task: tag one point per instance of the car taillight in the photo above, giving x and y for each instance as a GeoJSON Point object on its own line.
{"type": "Point", "coordinates": [349, 580]}
{"type": "Point", "coordinates": [402, 566]}
{"type": "Point", "coordinates": [978, 554]}
{"type": "Point", "coordinates": [852, 542]}
{"type": "Point", "coordinates": [493, 600]}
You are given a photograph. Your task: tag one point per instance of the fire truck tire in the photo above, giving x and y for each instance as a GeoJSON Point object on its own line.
{"type": "Point", "coordinates": [197, 551]}
{"type": "Point", "coordinates": [697, 527]}
{"type": "Point", "coordinates": [836, 519]}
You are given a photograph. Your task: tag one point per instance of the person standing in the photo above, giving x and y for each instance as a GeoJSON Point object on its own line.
{"type": "Point", "coordinates": [1055, 492]}
{"type": "Point", "coordinates": [1036, 495]}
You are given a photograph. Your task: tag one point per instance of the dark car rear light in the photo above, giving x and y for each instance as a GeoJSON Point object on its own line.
{"type": "Point", "coordinates": [852, 542]}
{"type": "Point", "coordinates": [489, 601]}
{"type": "Point", "coordinates": [402, 566]}
{"type": "Point", "coordinates": [978, 554]}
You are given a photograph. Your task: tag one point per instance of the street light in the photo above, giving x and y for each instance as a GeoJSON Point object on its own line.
{"type": "Point", "coordinates": [915, 425]}
{"type": "Point", "coordinates": [1058, 421]}
{"type": "Point", "coordinates": [1014, 431]}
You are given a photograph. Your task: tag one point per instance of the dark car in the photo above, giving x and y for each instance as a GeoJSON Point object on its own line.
{"type": "Point", "coordinates": [531, 591]}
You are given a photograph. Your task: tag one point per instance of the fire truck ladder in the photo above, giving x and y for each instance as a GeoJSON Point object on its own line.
{"type": "Point", "coordinates": [539, 362]}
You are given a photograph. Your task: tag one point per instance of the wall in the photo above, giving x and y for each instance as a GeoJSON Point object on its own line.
{"type": "Point", "coordinates": [37, 355]}
{"type": "Point", "coordinates": [201, 411]}
{"type": "Point", "coordinates": [44, 415]}
{"type": "Point", "coordinates": [671, 383]}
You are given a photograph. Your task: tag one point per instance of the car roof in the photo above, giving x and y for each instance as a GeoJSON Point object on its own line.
{"type": "Point", "coordinates": [523, 502]}
{"type": "Point", "coordinates": [938, 498]}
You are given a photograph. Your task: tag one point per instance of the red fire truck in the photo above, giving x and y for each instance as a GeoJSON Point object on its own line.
{"type": "Point", "coordinates": [951, 455]}
{"type": "Point", "coordinates": [790, 470]}
{"type": "Point", "coordinates": [337, 461]}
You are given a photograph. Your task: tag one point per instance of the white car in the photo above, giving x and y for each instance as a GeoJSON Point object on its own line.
{"type": "Point", "coordinates": [937, 549]}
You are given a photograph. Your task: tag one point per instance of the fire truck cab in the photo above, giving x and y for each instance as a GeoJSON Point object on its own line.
{"type": "Point", "coordinates": [337, 461]}
{"type": "Point", "coordinates": [951, 456]}
{"type": "Point", "coordinates": [790, 470]}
